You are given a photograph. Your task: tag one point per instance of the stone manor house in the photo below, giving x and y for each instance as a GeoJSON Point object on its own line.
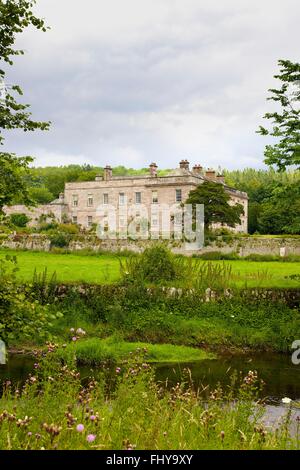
{"type": "Point", "coordinates": [80, 200]}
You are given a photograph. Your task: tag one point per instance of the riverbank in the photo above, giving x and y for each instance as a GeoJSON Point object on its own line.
{"type": "Point", "coordinates": [134, 411]}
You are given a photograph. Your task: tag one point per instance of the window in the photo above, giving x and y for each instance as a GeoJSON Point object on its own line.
{"type": "Point", "coordinates": [74, 219]}
{"type": "Point", "coordinates": [75, 200]}
{"type": "Point", "coordinates": [122, 199]}
{"type": "Point", "coordinates": [90, 200]}
{"type": "Point", "coordinates": [154, 197]}
{"type": "Point", "coordinates": [138, 198]}
{"type": "Point", "coordinates": [90, 220]}
{"type": "Point", "coordinates": [105, 198]}
{"type": "Point", "coordinates": [178, 195]}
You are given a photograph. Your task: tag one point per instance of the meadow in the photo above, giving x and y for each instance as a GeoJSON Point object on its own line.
{"type": "Point", "coordinates": [105, 269]}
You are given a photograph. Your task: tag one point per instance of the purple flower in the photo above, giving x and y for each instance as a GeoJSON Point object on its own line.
{"type": "Point", "coordinates": [74, 338]}
{"type": "Point", "coordinates": [91, 437]}
{"type": "Point", "coordinates": [118, 370]}
{"type": "Point", "coordinates": [80, 428]}
{"type": "Point", "coordinates": [93, 418]}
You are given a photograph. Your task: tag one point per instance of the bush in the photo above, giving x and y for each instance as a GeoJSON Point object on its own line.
{"type": "Point", "coordinates": [19, 220]}
{"type": "Point", "coordinates": [155, 264]}
{"type": "Point", "coordinates": [59, 239]}
{"type": "Point", "coordinates": [20, 318]}
{"type": "Point", "coordinates": [71, 229]}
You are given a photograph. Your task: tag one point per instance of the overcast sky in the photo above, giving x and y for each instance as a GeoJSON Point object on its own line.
{"type": "Point", "coordinates": [127, 82]}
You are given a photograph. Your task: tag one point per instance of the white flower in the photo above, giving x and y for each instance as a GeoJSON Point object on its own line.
{"type": "Point", "coordinates": [286, 400]}
{"type": "Point", "coordinates": [232, 316]}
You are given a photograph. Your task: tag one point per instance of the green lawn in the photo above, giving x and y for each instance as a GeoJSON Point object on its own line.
{"type": "Point", "coordinates": [105, 269]}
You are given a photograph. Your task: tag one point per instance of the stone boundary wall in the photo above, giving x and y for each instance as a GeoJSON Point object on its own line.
{"type": "Point", "coordinates": [243, 246]}
{"type": "Point", "coordinates": [288, 296]}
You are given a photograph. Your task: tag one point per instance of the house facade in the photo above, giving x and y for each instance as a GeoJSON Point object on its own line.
{"type": "Point", "coordinates": [134, 195]}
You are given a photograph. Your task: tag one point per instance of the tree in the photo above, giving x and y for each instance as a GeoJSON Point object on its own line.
{"type": "Point", "coordinates": [12, 181]}
{"type": "Point", "coordinates": [285, 123]}
{"type": "Point", "coordinates": [281, 213]}
{"type": "Point", "coordinates": [216, 204]}
{"type": "Point", "coordinates": [15, 17]}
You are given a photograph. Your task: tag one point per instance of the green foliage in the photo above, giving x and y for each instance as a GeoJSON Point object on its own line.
{"type": "Point", "coordinates": [59, 239]}
{"type": "Point", "coordinates": [216, 204]}
{"type": "Point", "coordinates": [41, 195]}
{"type": "Point", "coordinates": [20, 317]}
{"type": "Point", "coordinates": [285, 125]}
{"type": "Point", "coordinates": [274, 199]}
{"type": "Point", "coordinates": [19, 220]}
{"type": "Point", "coordinates": [16, 16]}
{"type": "Point", "coordinates": [12, 182]}
{"type": "Point", "coordinates": [156, 264]}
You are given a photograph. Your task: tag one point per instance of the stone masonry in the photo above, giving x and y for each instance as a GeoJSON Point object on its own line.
{"type": "Point", "coordinates": [80, 201]}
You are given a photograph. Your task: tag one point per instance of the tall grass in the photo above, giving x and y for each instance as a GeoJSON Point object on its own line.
{"type": "Point", "coordinates": [54, 410]}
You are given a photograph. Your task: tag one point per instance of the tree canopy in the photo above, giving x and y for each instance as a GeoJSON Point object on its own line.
{"type": "Point", "coordinates": [285, 122]}
{"type": "Point", "coordinates": [15, 17]}
{"type": "Point", "coordinates": [216, 204]}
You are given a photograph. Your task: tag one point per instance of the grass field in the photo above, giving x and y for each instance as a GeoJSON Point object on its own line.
{"type": "Point", "coordinates": [105, 269]}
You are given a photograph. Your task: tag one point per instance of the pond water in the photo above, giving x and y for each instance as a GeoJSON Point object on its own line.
{"type": "Point", "coordinates": [281, 377]}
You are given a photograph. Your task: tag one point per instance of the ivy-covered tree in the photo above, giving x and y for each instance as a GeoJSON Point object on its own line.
{"type": "Point", "coordinates": [216, 204]}
{"type": "Point", "coordinates": [285, 122]}
{"type": "Point", "coordinates": [15, 17]}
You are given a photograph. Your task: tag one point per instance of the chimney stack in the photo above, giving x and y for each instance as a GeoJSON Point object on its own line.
{"type": "Point", "coordinates": [197, 169]}
{"type": "Point", "coordinates": [210, 174]}
{"type": "Point", "coordinates": [107, 173]}
{"type": "Point", "coordinates": [221, 178]}
{"type": "Point", "coordinates": [153, 169]}
{"type": "Point", "coordinates": [184, 165]}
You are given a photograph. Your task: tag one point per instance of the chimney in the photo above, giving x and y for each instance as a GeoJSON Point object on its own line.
{"type": "Point", "coordinates": [210, 174]}
{"type": "Point", "coordinates": [197, 169]}
{"type": "Point", "coordinates": [184, 165]}
{"type": "Point", "coordinates": [221, 178]}
{"type": "Point", "coordinates": [153, 169]}
{"type": "Point", "coordinates": [107, 173]}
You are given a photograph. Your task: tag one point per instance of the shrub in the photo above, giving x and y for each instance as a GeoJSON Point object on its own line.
{"type": "Point", "coordinates": [19, 316]}
{"type": "Point", "coordinates": [19, 220]}
{"type": "Point", "coordinates": [155, 264]}
{"type": "Point", "coordinates": [59, 239]}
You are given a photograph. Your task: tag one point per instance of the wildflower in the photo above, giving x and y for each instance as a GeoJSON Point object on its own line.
{"type": "Point", "coordinates": [93, 418]}
{"type": "Point", "coordinates": [286, 400]}
{"type": "Point", "coordinates": [118, 370]}
{"type": "Point", "coordinates": [80, 428]}
{"type": "Point", "coordinates": [80, 331]}
{"type": "Point", "coordinates": [72, 330]}
{"type": "Point", "coordinates": [91, 437]}
{"type": "Point", "coordinates": [29, 434]}
{"type": "Point", "coordinates": [74, 338]}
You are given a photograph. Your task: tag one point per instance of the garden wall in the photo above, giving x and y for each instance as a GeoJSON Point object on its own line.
{"type": "Point", "coordinates": [243, 246]}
